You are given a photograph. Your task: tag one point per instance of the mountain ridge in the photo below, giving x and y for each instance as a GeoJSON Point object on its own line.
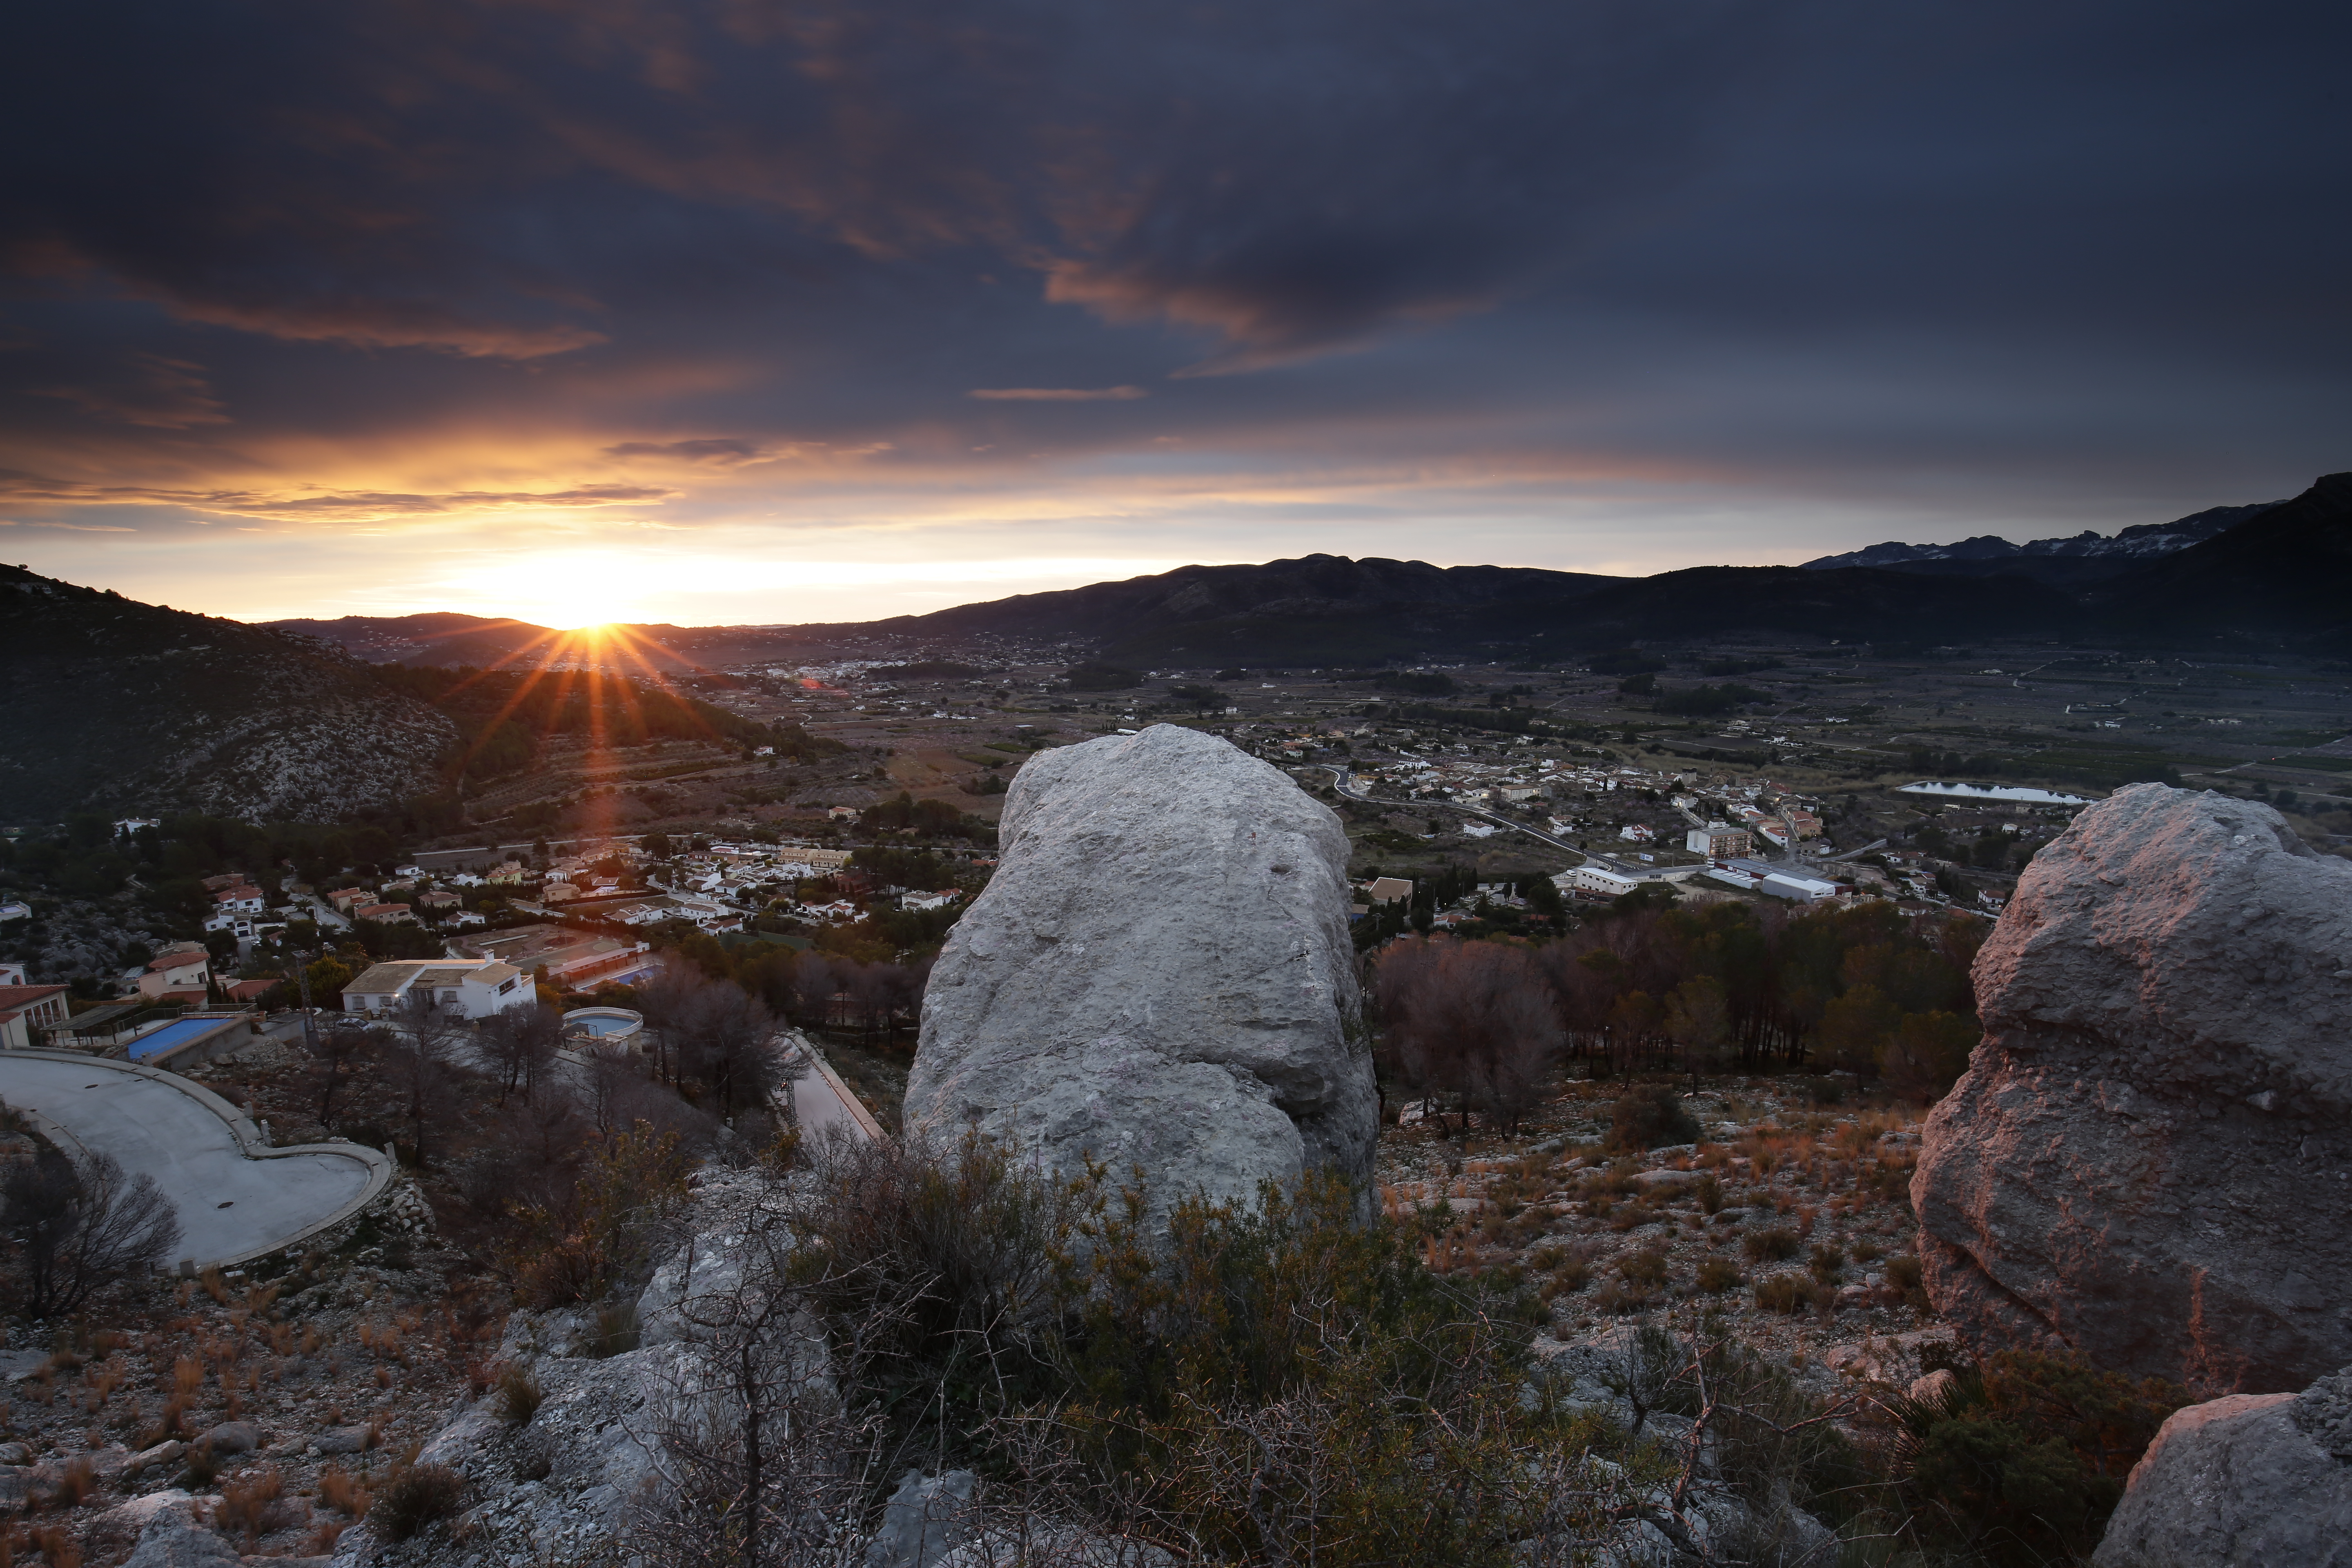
{"type": "Point", "coordinates": [1323, 609]}
{"type": "Point", "coordinates": [2078, 558]}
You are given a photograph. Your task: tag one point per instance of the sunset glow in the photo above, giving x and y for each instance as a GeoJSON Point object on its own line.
{"type": "Point", "coordinates": [800, 325]}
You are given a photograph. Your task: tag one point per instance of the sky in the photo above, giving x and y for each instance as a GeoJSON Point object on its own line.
{"type": "Point", "coordinates": [742, 312]}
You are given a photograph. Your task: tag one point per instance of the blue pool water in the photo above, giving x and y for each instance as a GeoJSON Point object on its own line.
{"type": "Point", "coordinates": [604, 1025]}
{"type": "Point", "coordinates": [169, 1035]}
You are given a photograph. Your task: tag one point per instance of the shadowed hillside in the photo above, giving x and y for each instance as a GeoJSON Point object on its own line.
{"type": "Point", "coordinates": [111, 704]}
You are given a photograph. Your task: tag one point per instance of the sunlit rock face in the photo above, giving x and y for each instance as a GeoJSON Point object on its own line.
{"type": "Point", "coordinates": [1159, 976]}
{"type": "Point", "coordinates": [2148, 1160]}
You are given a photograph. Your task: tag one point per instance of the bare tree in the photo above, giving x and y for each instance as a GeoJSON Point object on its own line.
{"type": "Point", "coordinates": [725, 1039]}
{"type": "Point", "coordinates": [519, 1044]}
{"type": "Point", "coordinates": [77, 1227]}
{"type": "Point", "coordinates": [768, 1463]}
{"type": "Point", "coordinates": [1471, 1019]}
{"type": "Point", "coordinates": [420, 1058]}
{"type": "Point", "coordinates": [336, 1053]}
{"type": "Point", "coordinates": [813, 982]}
{"type": "Point", "coordinates": [666, 1002]}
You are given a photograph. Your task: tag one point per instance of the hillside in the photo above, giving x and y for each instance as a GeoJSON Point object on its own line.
{"type": "Point", "coordinates": [114, 705]}
{"type": "Point", "coordinates": [1701, 603]}
{"type": "Point", "coordinates": [1309, 588]}
{"type": "Point", "coordinates": [2286, 573]}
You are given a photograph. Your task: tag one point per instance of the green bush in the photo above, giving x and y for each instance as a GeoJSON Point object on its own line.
{"type": "Point", "coordinates": [2023, 1459]}
{"type": "Point", "coordinates": [1279, 1378]}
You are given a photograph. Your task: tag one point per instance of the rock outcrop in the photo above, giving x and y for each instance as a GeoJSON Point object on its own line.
{"type": "Point", "coordinates": [2148, 1160]}
{"type": "Point", "coordinates": [1160, 975]}
{"type": "Point", "coordinates": [2249, 1478]}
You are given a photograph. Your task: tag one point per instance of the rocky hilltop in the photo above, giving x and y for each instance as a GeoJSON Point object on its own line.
{"type": "Point", "coordinates": [115, 705]}
{"type": "Point", "coordinates": [1160, 975]}
{"type": "Point", "coordinates": [2148, 1160]}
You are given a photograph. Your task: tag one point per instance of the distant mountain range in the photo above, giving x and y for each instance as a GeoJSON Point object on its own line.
{"type": "Point", "coordinates": [2283, 565]}
{"type": "Point", "coordinates": [2087, 557]}
{"type": "Point", "coordinates": [107, 703]}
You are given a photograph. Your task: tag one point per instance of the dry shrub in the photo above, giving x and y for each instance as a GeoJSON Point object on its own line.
{"type": "Point", "coordinates": [518, 1394]}
{"type": "Point", "coordinates": [214, 1284]}
{"type": "Point", "coordinates": [253, 1505]}
{"type": "Point", "coordinates": [1717, 1274]}
{"type": "Point", "coordinates": [75, 1483]}
{"type": "Point", "coordinates": [188, 1376]}
{"type": "Point", "coordinates": [341, 1491]}
{"type": "Point", "coordinates": [59, 1547]}
{"type": "Point", "coordinates": [1771, 1246]}
{"type": "Point", "coordinates": [1645, 1268]}
{"type": "Point", "coordinates": [601, 1235]}
{"type": "Point", "coordinates": [1788, 1293]}
{"type": "Point", "coordinates": [415, 1498]}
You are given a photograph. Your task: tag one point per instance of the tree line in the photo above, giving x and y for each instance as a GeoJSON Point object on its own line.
{"type": "Point", "coordinates": [1479, 1026]}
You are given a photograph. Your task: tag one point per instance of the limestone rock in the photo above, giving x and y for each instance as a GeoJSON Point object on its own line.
{"type": "Point", "coordinates": [2150, 1158]}
{"type": "Point", "coordinates": [341, 1440]}
{"type": "Point", "coordinates": [1160, 973]}
{"type": "Point", "coordinates": [231, 1438]}
{"type": "Point", "coordinates": [576, 1480]}
{"type": "Point", "coordinates": [172, 1539]}
{"type": "Point", "coordinates": [2250, 1478]}
{"type": "Point", "coordinates": [925, 1520]}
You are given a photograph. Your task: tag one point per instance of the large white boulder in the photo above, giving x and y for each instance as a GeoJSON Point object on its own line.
{"type": "Point", "coordinates": [1159, 976]}
{"type": "Point", "coordinates": [2150, 1156]}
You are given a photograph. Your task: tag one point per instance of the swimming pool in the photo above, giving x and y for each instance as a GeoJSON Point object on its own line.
{"type": "Point", "coordinates": [171, 1036]}
{"type": "Point", "coordinates": [602, 1027]}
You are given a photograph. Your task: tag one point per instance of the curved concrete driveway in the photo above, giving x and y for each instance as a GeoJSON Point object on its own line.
{"type": "Point", "coordinates": [236, 1198]}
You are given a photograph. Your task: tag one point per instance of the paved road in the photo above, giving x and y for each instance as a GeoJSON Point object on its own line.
{"type": "Point", "coordinates": [229, 1204]}
{"type": "Point", "coordinates": [820, 1101]}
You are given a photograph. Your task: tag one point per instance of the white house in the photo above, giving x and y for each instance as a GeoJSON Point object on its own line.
{"type": "Point", "coordinates": [1590, 878]}
{"type": "Point", "coordinates": [242, 899]}
{"type": "Point", "coordinates": [465, 987]}
{"type": "Point", "coordinates": [185, 968]}
{"type": "Point", "coordinates": [23, 1009]}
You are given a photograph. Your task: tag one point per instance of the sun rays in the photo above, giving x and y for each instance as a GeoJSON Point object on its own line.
{"type": "Point", "coordinates": [606, 668]}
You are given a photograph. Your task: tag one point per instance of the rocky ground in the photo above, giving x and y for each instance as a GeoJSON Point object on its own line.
{"type": "Point", "coordinates": [280, 1402]}
{"type": "Point", "coordinates": [1788, 1221]}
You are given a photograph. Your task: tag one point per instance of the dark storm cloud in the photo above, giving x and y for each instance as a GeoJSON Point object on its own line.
{"type": "Point", "coordinates": [720, 234]}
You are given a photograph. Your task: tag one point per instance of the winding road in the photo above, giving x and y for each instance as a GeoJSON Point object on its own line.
{"type": "Point", "coordinates": [237, 1197]}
